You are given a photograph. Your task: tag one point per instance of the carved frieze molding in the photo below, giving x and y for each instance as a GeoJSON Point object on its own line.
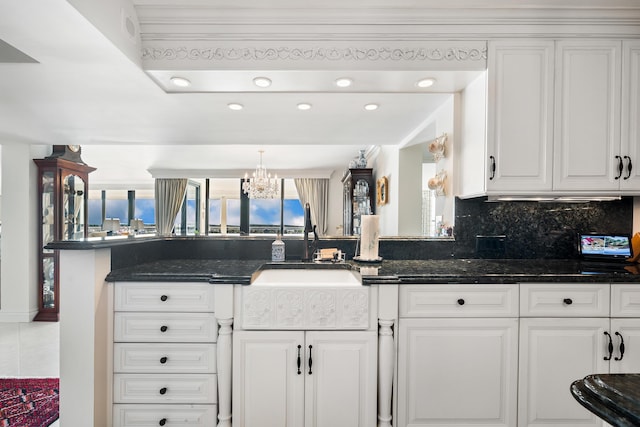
{"type": "Point", "coordinates": [305, 308]}
{"type": "Point", "coordinates": [316, 54]}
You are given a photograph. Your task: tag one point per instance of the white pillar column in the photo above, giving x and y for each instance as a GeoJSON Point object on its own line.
{"type": "Point", "coordinates": [224, 316]}
{"type": "Point", "coordinates": [224, 372]}
{"type": "Point", "coordinates": [386, 363]}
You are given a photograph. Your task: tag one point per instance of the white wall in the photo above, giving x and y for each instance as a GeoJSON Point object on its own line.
{"type": "Point", "coordinates": [473, 133]}
{"type": "Point", "coordinates": [386, 164]}
{"type": "Point", "coordinates": [20, 227]}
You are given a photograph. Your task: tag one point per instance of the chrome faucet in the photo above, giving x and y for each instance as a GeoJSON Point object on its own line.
{"type": "Point", "coordinates": [308, 249]}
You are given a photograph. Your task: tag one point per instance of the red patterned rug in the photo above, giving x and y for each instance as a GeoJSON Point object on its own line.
{"type": "Point", "coordinates": [29, 402]}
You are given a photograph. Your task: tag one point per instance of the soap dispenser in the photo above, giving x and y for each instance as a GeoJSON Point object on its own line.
{"type": "Point", "coordinates": [277, 250]}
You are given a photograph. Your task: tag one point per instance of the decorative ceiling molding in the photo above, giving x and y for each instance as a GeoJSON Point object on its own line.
{"type": "Point", "coordinates": [316, 54]}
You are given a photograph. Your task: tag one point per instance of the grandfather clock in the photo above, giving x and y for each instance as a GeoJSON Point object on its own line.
{"type": "Point", "coordinates": [63, 183]}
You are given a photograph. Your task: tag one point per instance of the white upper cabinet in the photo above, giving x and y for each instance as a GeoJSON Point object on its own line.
{"type": "Point", "coordinates": [520, 116]}
{"type": "Point", "coordinates": [562, 118]}
{"type": "Point", "coordinates": [587, 129]}
{"type": "Point", "coordinates": [630, 130]}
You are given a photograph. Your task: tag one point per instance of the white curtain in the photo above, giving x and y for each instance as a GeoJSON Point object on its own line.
{"type": "Point", "coordinates": [169, 193]}
{"type": "Point", "coordinates": [315, 191]}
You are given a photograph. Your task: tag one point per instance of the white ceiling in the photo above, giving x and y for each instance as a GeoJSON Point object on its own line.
{"type": "Point", "coordinates": [89, 87]}
{"type": "Point", "coordinates": [83, 90]}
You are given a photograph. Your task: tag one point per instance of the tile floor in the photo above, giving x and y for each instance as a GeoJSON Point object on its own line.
{"type": "Point", "coordinates": [30, 350]}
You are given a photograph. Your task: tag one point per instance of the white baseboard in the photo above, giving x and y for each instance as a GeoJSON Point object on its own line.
{"type": "Point", "coordinates": [17, 317]}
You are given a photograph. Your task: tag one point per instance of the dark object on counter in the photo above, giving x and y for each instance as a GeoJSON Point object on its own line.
{"type": "Point", "coordinates": [308, 248]}
{"type": "Point", "coordinates": [613, 397]}
{"type": "Point", "coordinates": [491, 247]}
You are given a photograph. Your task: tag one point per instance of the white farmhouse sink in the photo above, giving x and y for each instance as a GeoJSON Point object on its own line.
{"type": "Point", "coordinates": [307, 277]}
{"type": "Point", "coordinates": [305, 299]}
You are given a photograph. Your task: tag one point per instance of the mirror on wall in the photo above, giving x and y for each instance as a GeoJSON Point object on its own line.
{"type": "Point", "coordinates": [420, 180]}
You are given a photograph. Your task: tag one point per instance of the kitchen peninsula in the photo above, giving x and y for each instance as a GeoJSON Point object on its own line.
{"type": "Point", "coordinates": [505, 314]}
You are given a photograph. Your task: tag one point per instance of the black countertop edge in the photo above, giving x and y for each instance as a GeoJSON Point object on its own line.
{"type": "Point", "coordinates": [111, 241]}
{"type": "Point", "coordinates": [613, 397]}
{"type": "Point", "coordinates": [103, 242]}
{"type": "Point", "coordinates": [388, 272]}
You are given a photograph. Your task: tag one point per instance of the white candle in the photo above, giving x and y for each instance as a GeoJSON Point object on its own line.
{"type": "Point", "coordinates": [369, 237]}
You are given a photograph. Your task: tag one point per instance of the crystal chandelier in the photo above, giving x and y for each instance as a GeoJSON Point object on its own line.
{"type": "Point", "coordinates": [261, 185]}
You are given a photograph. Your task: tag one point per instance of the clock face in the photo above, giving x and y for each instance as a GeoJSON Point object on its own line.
{"type": "Point", "coordinates": [74, 148]}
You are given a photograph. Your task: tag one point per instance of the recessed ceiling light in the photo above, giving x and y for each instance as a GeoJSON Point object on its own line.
{"type": "Point", "coordinates": [304, 106]}
{"type": "Point", "coordinates": [424, 83]}
{"type": "Point", "coordinates": [344, 82]}
{"type": "Point", "coordinates": [262, 82]}
{"type": "Point", "coordinates": [371, 107]}
{"type": "Point", "coordinates": [235, 106]}
{"type": "Point", "coordinates": [180, 82]}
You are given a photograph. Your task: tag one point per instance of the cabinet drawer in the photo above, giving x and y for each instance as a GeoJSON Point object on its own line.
{"type": "Point", "coordinates": [164, 327]}
{"type": "Point", "coordinates": [459, 300]}
{"type": "Point", "coordinates": [170, 388]}
{"type": "Point", "coordinates": [165, 297]}
{"type": "Point", "coordinates": [625, 300]}
{"type": "Point", "coordinates": [164, 358]}
{"type": "Point", "coordinates": [564, 300]}
{"type": "Point", "coordinates": [174, 415]}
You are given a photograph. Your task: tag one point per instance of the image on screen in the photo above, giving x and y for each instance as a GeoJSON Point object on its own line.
{"type": "Point", "coordinates": [605, 245]}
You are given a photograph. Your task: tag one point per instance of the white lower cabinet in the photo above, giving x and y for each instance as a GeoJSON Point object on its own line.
{"type": "Point", "coordinates": [458, 355]}
{"type": "Point", "coordinates": [626, 339]}
{"type": "Point", "coordinates": [569, 331]}
{"type": "Point", "coordinates": [311, 379]}
{"type": "Point", "coordinates": [457, 372]}
{"type": "Point", "coordinates": [554, 352]}
{"type": "Point", "coordinates": [173, 415]}
{"type": "Point", "coordinates": [164, 355]}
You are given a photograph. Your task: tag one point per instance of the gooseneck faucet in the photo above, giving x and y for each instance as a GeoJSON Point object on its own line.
{"type": "Point", "coordinates": [308, 248]}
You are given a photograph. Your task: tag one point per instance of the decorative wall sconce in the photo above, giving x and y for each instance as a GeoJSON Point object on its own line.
{"type": "Point", "coordinates": [437, 147]}
{"type": "Point", "coordinates": [437, 183]}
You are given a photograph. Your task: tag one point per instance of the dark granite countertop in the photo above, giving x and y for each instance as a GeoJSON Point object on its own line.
{"type": "Point", "coordinates": [613, 397]}
{"type": "Point", "coordinates": [388, 271]}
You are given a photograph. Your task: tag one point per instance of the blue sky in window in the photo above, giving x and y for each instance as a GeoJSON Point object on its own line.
{"type": "Point", "coordinates": [146, 210]}
{"type": "Point", "coordinates": [261, 212]}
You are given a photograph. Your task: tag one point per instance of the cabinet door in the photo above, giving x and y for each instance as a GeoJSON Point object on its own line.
{"type": "Point", "coordinates": [587, 127]}
{"type": "Point", "coordinates": [520, 121]}
{"type": "Point", "coordinates": [341, 380]}
{"type": "Point", "coordinates": [267, 389]}
{"type": "Point", "coordinates": [627, 332]}
{"type": "Point", "coordinates": [630, 132]}
{"type": "Point", "coordinates": [553, 353]}
{"type": "Point", "coordinates": [457, 372]}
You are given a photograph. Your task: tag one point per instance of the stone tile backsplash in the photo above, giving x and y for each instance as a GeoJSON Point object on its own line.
{"type": "Point", "coordinates": [537, 229]}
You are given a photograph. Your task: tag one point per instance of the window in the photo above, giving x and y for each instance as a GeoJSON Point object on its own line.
{"type": "Point", "coordinates": [264, 214]}
{"type": "Point", "coordinates": [107, 204]}
{"type": "Point", "coordinates": [224, 206]}
{"type": "Point", "coordinates": [145, 206]}
{"type": "Point", "coordinates": [293, 216]}
{"type": "Point", "coordinates": [95, 209]}
{"type": "Point", "coordinates": [117, 206]}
